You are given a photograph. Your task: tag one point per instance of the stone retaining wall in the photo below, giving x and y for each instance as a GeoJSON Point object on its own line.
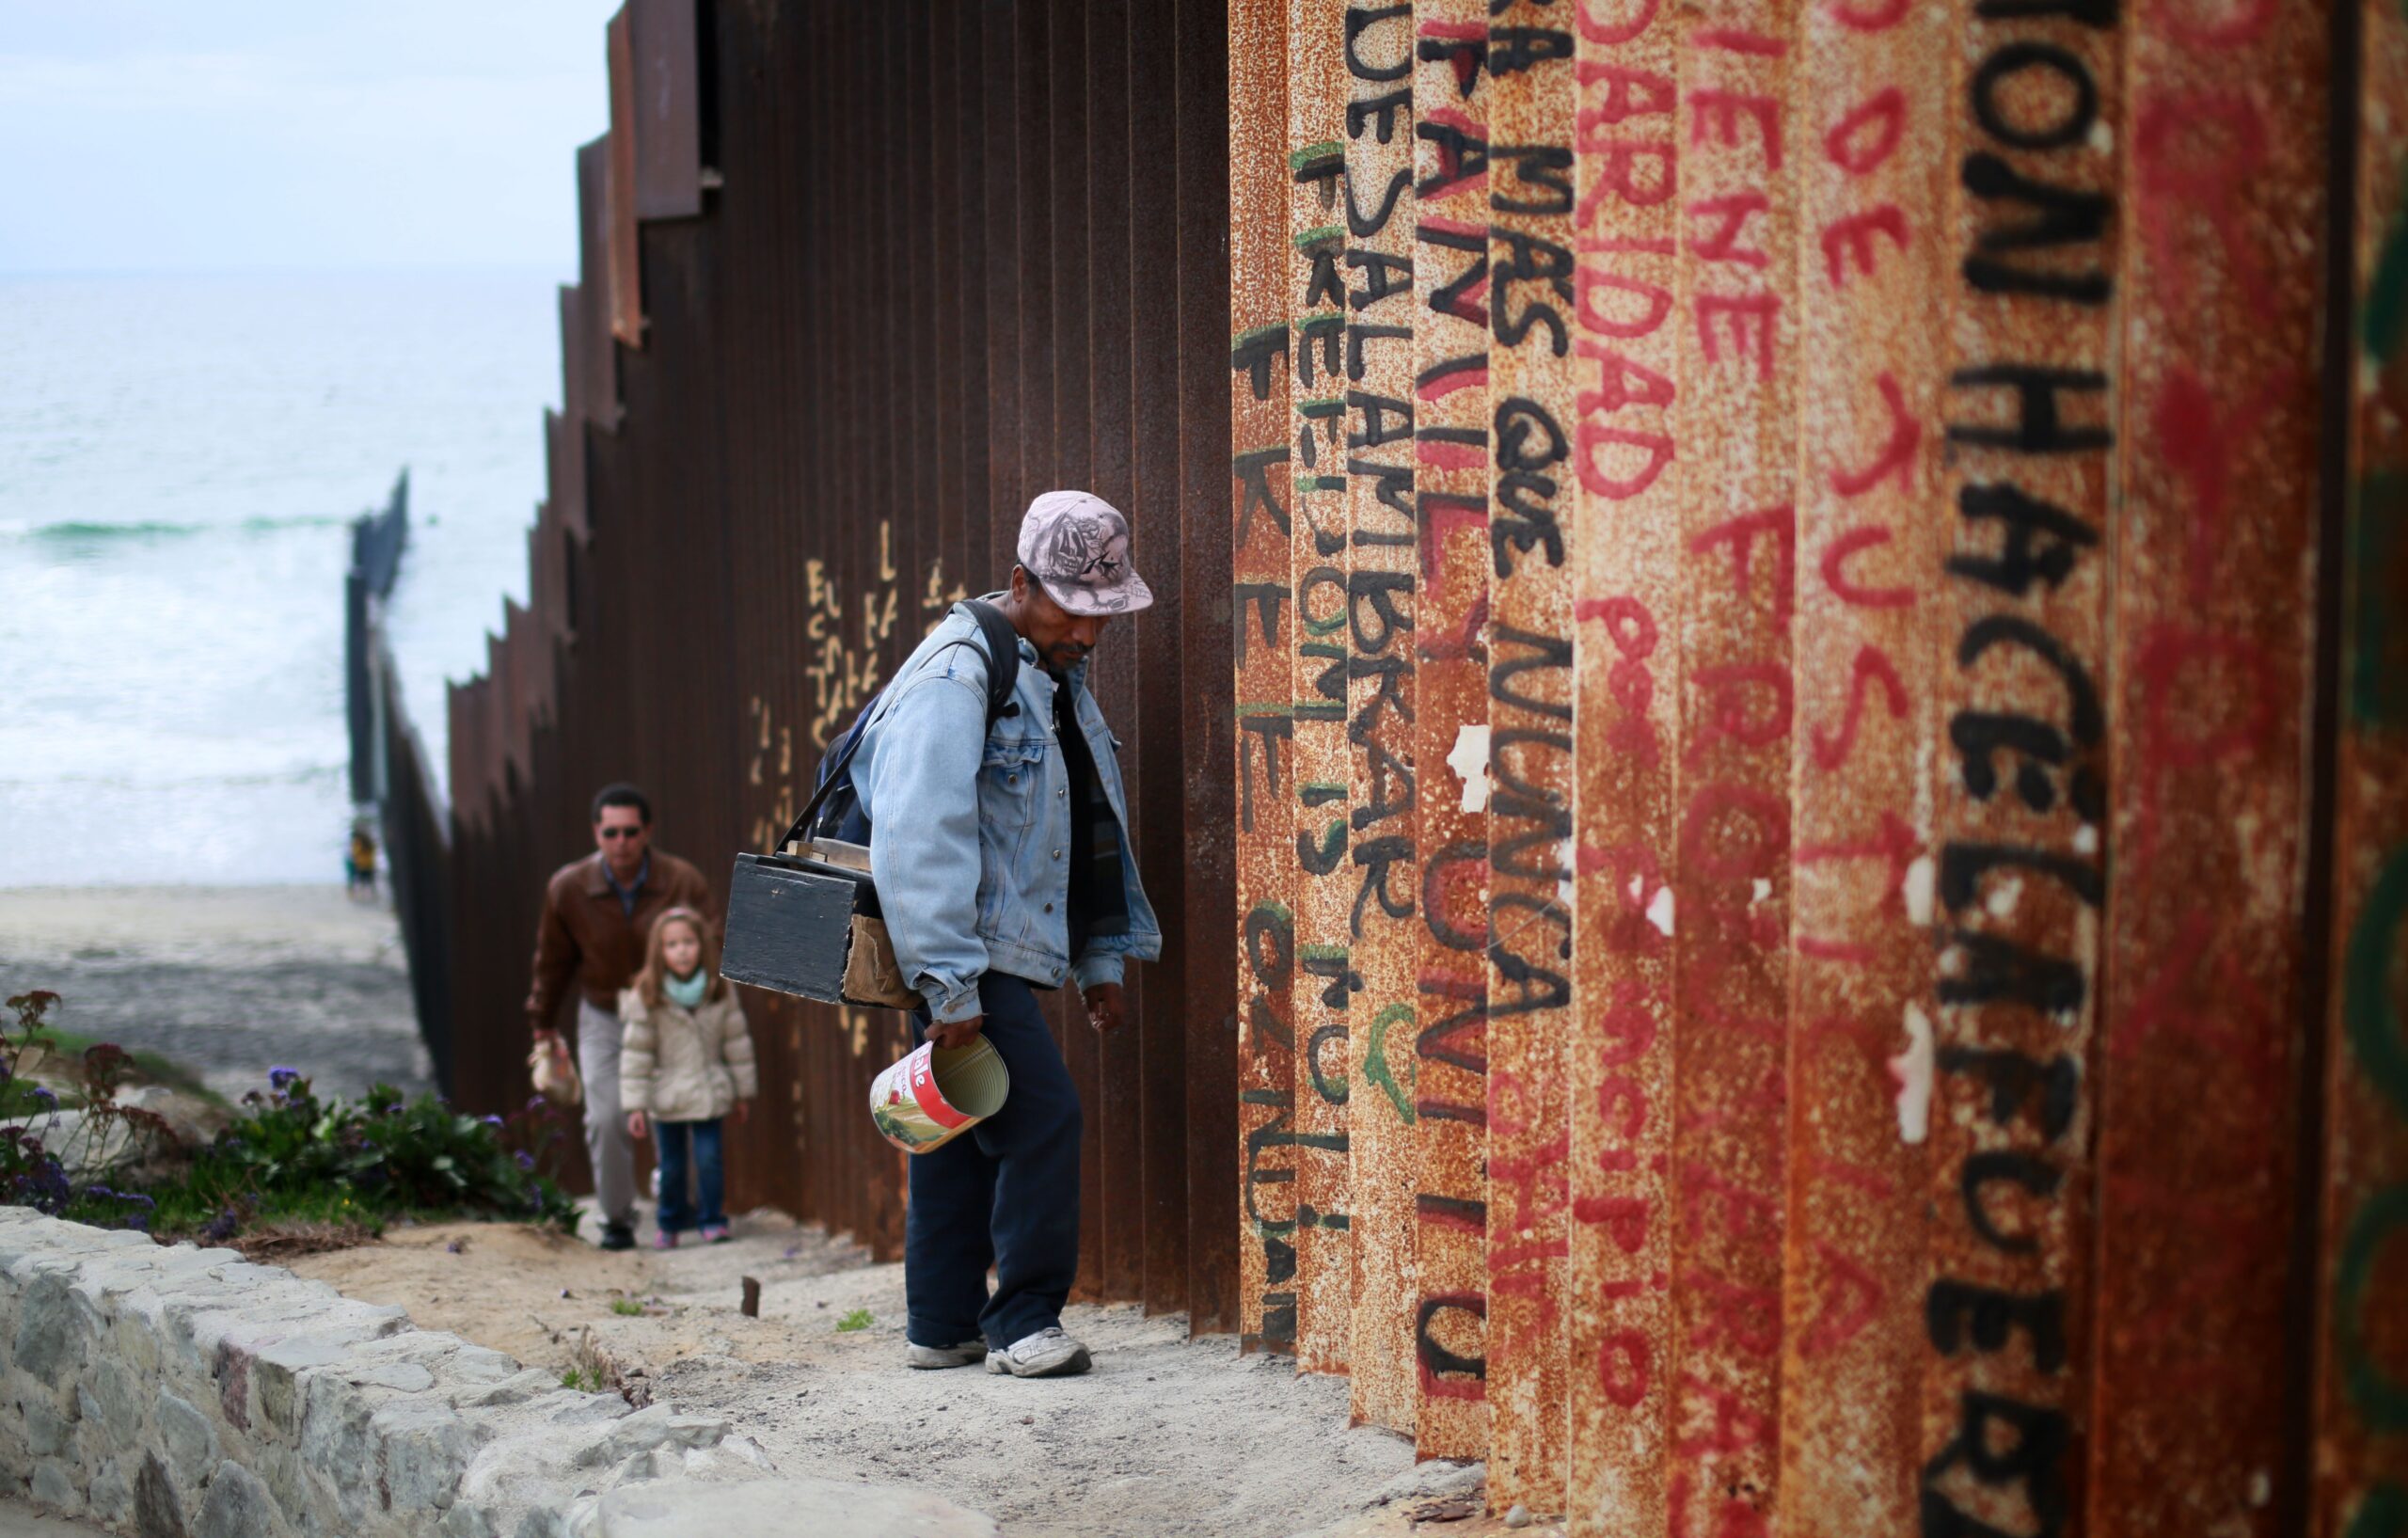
{"type": "Point", "coordinates": [186, 1393]}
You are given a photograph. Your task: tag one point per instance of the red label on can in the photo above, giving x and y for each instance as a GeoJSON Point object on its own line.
{"type": "Point", "coordinates": [924, 1090]}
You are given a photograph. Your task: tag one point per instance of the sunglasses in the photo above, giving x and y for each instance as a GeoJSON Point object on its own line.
{"type": "Point", "coordinates": [622, 832]}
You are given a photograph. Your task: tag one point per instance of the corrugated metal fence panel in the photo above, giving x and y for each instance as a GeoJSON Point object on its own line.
{"type": "Point", "coordinates": [1838, 434]}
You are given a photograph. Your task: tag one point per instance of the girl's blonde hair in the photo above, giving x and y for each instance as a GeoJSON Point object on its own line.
{"type": "Point", "coordinates": [655, 964]}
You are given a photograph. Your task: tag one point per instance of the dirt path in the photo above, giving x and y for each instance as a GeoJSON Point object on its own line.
{"type": "Point", "coordinates": [1165, 1437]}
{"type": "Point", "coordinates": [228, 981]}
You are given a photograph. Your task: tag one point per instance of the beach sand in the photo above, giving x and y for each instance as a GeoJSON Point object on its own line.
{"type": "Point", "coordinates": [226, 980]}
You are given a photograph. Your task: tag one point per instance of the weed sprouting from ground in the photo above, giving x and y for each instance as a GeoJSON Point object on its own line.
{"type": "Point", "coordinates": [858, 1319]}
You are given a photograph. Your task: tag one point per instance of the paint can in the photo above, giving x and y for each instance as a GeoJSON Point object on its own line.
{"type": "Point", "coordinates": [932, 1094]}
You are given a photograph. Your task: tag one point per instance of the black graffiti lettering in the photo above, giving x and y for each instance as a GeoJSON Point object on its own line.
{"type": "Point", "coordinates": [2054, 1087]}
{"type": "Point", "coordinates": [1385, 419]}
{"type": "Point", "coordinates": [1362, 227]}
{"type": "Point", "coordinates": [1323, 286]}
{"type": "Point", "coordinates": [1264, 598]}
{"type": "Point", "coordinates": [1389, 674]}
{"type": "Point", "coordinates": [1392, 488]}
{"type": "Point", "coordinates": [1383, 275]}
{"type": "Point", "coordinates": [1458, 1039]}
{"type": "Point", "coordinates": [1257, 353]}
{"type": "Point", "coordinates": [1523, 525]}
{"type": "Point", "coordinates": [2062, 217]}
{"type": "Point", "coordinates": [1962, 867]}
{"type": "Point", "coordinates": [1978, 735]}
{"type": "Point", "coordinates": [1357, 338]}
{"type": "Point", "coordinates": [1372, 609]}
{"type": "Point", "coordinates": [1528, 437]}
{"type": "Point", "coordinates": [1951, 1305]}
{"type": "Point", "coordinates": [1532, 987]}
{"type": "Point", "coordinates": [1331, 852]}
{"type": "Point", "coordinates": [1530, 259]}
{"type": "Point", "coordinates": [2087, 721]}
{"type": "Point", "coordinates": [1389, 789]}
{"type": "Point", "coordinates": [1265, 1020]}
{"type": "Point", "coordinates": [1360, 22]}
{"type": "Point", "coordinates": [1446, 367]}
{"type": "Point", "coordinates": [1330, 1088]}
{"type": "Point", "coordinates": [2038, 429]}
{"type": "Point", "coordinates": [2096, 14]}
{"type": "Point", "coordinates": [1468, 55]}
{"type": "Point", "coordinates": [1436, 1359]}
{"type": "Point", "coordinates": [1344, 980]}
{"type": "Point", "coordinates": [1314, 581]}
{"type": "Point", "coordinates": [1536, 651]}
{"type": "Point", "coordinates": [1996, 969]}
{"type": "Point", "coordinates": [1535, 851]}
{"type": "Point", "coordinates": [1380, 113]}
{"type": "Point", "coordinates": [1453, 296]}
{"type": "Point", "coordinates": [1276, 1132]}
{"type": "Point", "coordinates": [1266, 732]}
{"type": "Point", "coordinates": [2031, 1460]}
{"type": "Point", "coordinates": [2042, 540]}
{"type": "Point", "coordinates": [1461, 157]}
{"type": "Point", "coordinates": [1377, 857]}
{"type": "Point", "coordinates": [1542, 171]}
{"type": "Point", "coordinates": [1270, 934]}
{"type": "Point", "coordinates": [1434, 873]}
{"type": "Point", "coordinates": [1325, 167]}
{"type": "Point", "coordinates": [1515, 49]}
{"type": "Point", "coordinates": [1325, 332]}
{"type": "Point", "coordinates": [2012, 59]}
{"type": "Point", "coordinates": [1253, 469]}
{"type": "Point", "coordinates": [1987, 1167]}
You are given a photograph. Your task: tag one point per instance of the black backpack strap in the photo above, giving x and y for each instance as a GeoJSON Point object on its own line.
{"type": "Point", "coordinates": [1002, 642]}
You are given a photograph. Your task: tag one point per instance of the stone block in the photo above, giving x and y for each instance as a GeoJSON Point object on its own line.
{"type": "Point", "coordinates": [780, 1508]}
{"type": "Point", "coordinates": [50, 1330]}
{"type": "Point", "coordinates": [158, 1510]}
{"type": "Point", "coordinates": [654, 1426]}
{"type": "Point", "coordinates": [427, 1448]}
{"type": "Point", "coordinates": [466, 1522]}
{"type": "Point", "coordinates": [518, 1387]}
{"type": "Point", "coordinates": [237, 1506]}
{"type": "Point", "coordinates": [335, 1440]}
{"type": "Point", "coordinates": [54, 1487]}
{"type": "Point", "coordinates": [46, 1430]}
{"type": "Point", "coordinates": [187, 1437]}
{"type": "Point", "coordinates": [110, 1497]}
{"type": "Point", "coordinates": [114, 1400]}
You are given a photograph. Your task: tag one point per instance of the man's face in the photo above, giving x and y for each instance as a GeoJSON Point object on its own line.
{"type": "Point", "coordinates": [1062, 639]}
{"type": "Point", "coordinates": [621, 836]}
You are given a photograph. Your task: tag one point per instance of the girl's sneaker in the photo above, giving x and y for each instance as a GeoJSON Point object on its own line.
{"type": "Point", "coordinates": [716, 1233]}
{"type": "Point", "coordinates": [665, 1239]}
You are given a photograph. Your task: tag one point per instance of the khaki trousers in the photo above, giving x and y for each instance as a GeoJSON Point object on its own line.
{"type": "Point", "coordinates": [607, 1148]}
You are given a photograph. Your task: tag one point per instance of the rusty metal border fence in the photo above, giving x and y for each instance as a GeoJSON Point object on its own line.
{"type": "Point", "coordinates": [1772, 749]}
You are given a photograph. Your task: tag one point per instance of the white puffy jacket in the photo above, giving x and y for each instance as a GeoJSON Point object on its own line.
{"type": "Point", "coordinates": [685, 1065]}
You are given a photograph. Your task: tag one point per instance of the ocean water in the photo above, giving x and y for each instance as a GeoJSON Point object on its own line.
{"type": "Point", "coordinates": [180, 458]}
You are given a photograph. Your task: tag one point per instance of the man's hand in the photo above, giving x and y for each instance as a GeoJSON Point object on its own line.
{"type": "Point", "coordinates": [545, 1036]}
{"type": "Point", "coordinates": [1105, 1006]}
{"type": "Point", "coordinates": [959, 1033]}
{"type": "Point", "coordinates": [635, 1123]}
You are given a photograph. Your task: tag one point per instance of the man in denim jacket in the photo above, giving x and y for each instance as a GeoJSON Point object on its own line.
{"type": "Point", "coordinates": [1003, 864]}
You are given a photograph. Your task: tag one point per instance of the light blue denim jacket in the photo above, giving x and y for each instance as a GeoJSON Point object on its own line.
{"type": "Point", "coordinates": [969, 830]}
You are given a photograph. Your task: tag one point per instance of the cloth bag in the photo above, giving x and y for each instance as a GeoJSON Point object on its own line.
{"type": "Point", "coordinates": [554, 1073]}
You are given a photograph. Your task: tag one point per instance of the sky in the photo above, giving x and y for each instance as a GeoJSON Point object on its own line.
{"type": "Point", "coordinates": [173, 136]}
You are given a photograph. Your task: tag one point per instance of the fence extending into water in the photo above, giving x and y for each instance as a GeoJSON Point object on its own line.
{"type": "Point", "coordinates": [1773, 748]}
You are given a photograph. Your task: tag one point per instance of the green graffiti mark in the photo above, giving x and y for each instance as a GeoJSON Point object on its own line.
{"type": "Point", "coordinates": [2382, 1401]}
{"type": "Point", "coordinates": [2383, 1513]}
{"type": "Point", "coordinates": [1375, 1060]}
{"type": "Point", "coordinates": [2367, 1007]}
{"type": "Point", "coordinates": [2386, 298]}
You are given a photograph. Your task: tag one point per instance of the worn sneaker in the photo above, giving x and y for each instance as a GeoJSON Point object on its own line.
{"type": "Point", "coordinates": [715, 1233]}
{"type": "Point", "coordinates": [935, 1357]}
{"type": "Point", "coordinates": [1048, 1353]}
{"type": "Point", "coordinates": [618, 1236]}
{"type": "Point", "coordinates": [665, 1239]}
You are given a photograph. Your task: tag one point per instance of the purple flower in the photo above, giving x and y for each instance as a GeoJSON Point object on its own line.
{"type": "Point", "coordinates": [493, 1121]}
{"type": "Point", "coordinates": [280, 1079]}
{"type": "Point", "coordinates": [221, 1228]}
{"type": "Point", "coordinates": [43, 1094]}
{"type": "Point", "coordinates": [526, 1160]}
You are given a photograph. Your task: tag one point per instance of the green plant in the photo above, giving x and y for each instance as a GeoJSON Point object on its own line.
{"type": "Point", "coordinates": [585, 1380]}
{"type": "Point", "coordinates": [858, 1319]}
{"type": "Point", "coordinates": [86, 1129]}
{"type": "Point", "coordinates": [628, 1307]}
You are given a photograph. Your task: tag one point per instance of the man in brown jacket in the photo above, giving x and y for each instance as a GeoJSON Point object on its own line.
{"type": "Point", "coordinates": [597, 912]}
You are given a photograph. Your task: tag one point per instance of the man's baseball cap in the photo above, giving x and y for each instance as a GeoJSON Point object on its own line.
{"type": "Point", "coordinates": [1076, 545]}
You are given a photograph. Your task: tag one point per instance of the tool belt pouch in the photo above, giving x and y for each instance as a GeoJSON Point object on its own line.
{"type": "Point", "coordinates": [809, 924]}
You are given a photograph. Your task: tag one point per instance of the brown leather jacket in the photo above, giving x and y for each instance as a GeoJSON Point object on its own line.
{"type": "Point", "coordinates": [586, 933]}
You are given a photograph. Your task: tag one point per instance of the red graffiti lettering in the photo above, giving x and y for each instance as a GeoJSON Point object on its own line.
{"type": "Point", "coordinates": [1888, 15]}
{"type": "Point", "coordinates": [1626, 1362]}
{"type": "Point", "coordinates": [1715, 117]}
{"type": "Point", "coordinates": [1851, 1297]}
{"type": "Point", "coordinates": [1587, 280]}
{"type": "Point", "coordinates": [1835, 577]}
{"type": "Point", "coordinates": [1739, 41]}
{"type": "Point", "coordinates": [1897, 455]}
{"type": "Point", "coordinates": [1630, 93]}
{"type": "Point", "coordinates": [1740, 533]}
{"type": "Point", "coordinates": [1440, 646]}
{"type": "Point", "coordinates": [1618, 172]}
{"type": "Point", "coordinates": [1622, 381]}
{"type": "Point", "coordinates": [1715, 848]}
{"type": "Point", "coordinates": [1759, 309]}
{"type": "Point", "coordinates": [2200, 446]}
{"type": "Point", "coordinates": [1589, 437]}
{"type": "Point", "coordinates": [1872, 666]}
{"type": "Point", "coordinates": [1624, 1219]}
{"type": "Point", "coordinates": [1596, 30]}
{"type": "Point", "coordinates": [1748, 1217]}
{"type": "Point", "coordinates": [1736, 1428]}
{"type": "Point", "coordinates": [1749, 702]}
{"type": "Point", "coordinates": [1895, 843]}
{"type": "Point", "coordinates": [2198, 152]}
{"type": "Point", "coordinates": [2226, 713]}
{"type": "Point", "coordinates": [1723, 243]}
{"type": "Point", "coordinates": [1885, 113]}
{"type": "Point", "coordinates": [1732, 1518]}
{"type": "Point", "coordinates": [1748, 1317]}
{"type": "Point", "coordinates": [1853, 236]}
{"type": "Point", "coordinates": [2246, 23]}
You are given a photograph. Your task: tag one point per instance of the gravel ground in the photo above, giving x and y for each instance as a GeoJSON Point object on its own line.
{"type": "Point", "coordinates": [227, 981]}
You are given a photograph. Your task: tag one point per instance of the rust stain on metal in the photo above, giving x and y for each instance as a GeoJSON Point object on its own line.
{"type": "Point", "coordinates": [1450, 1084]}
{"type": "Point", "coordinates": [1325, 980]}
{"type": "Point", "coordinates": [2223, 148]}
{"type": "Point", "coordinates": [1871, 530]}
{"type": "Point", "coordinates": [1633, 481]}
{"type": "Point", "coordinates": [2360, 1448]}
{"type": "Point", "coordinates": [1262, 637]}
{"type": "Point", "coordinates": [2019, 874]}
{"type": "Point", "coordinates": [1381, 604]}
{"type": "Point", "coordinates": [1739, 361]}
{"type": "Point", "coordinates": [618, 188]}
{"type": "Point", "coordinates": [1534, 385]}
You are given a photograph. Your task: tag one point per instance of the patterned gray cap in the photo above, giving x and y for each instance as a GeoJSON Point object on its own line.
{"type": "Point", "coordinates": [1077, 546]}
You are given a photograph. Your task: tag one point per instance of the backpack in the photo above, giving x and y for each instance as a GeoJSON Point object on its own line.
{"type": "Point", "coordinates": [835, 810]}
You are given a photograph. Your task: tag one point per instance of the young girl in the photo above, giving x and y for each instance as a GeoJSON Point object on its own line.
{"type": "Point", "coordinates": [687, 1059]}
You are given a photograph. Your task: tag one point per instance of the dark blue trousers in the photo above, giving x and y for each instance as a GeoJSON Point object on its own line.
{"type": "Point", "coordinates": [677, 1213]}
{"type": "Point", "coordinates": [1004, 1194]}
